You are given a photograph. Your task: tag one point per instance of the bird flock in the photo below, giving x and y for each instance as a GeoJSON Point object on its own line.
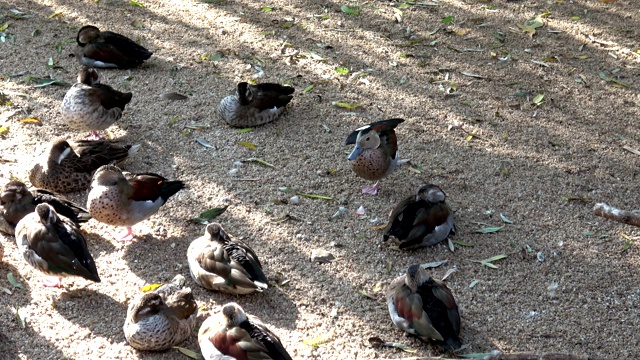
{"type": "Point", "coordinates": [46, 227]}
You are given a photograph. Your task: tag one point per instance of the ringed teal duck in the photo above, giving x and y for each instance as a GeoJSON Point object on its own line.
{"type": "Point", "coordinates": [217, 262]}
{"type": "Point", "coordinates": [231, 334]}
{"type": "Point", "coordinates": [52, 244]}
{"type": "Point", "coordinates": [17, 202]}
{"type": "Point", "coordinates": [254, 105]}
{"type": "Point", "coordinates": [67, 166]}
{"type": "Point", "coordinates": [375, 154]}
{"type": "Point", "coordinates": [421, 220]}
{"type": "Point", "coordinates": [162, 318]}
{"type": "Point", "coordinates": [125, 201]}
{"type": "Point", "coordinates": [106, 49]}
{"type": "Point", "coordinates": [424, 307]}
{"type": "Point", "coordinates": [91, 106]}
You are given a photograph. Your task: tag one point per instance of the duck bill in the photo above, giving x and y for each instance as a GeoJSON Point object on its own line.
{"type": "Point", "coordinates": [355, 153]}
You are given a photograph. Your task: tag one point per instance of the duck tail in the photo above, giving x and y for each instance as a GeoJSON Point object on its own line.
{"type": "Point", "coordinates": [170, 188]}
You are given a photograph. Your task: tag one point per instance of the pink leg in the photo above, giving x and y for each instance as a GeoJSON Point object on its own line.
{"type": "Point", "coordinates": [127, 236]}
{"type": "Point", "coordinates": [52, 281]}
{"type": "Point", "coordinates": [95, 136]}
{"type": "Point", "coordinates": [371, 190]}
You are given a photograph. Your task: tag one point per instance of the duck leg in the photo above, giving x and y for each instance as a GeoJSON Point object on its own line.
{"type": "Point", "coordinates": [372, 190]}
{"type": "Point", "coordinates": [126, 236]}
{"type": "Point", "coordinates": [52, 281]}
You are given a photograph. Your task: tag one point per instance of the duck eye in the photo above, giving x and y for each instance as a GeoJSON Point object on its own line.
{"type": "Point", "coordinates": [368, 138]}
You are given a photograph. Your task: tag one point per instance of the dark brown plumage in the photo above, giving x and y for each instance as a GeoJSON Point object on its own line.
{"type": "Point", "coordinates": [420, 220]}
{"type": "Point", "coordinates": [106, 49]}
{"type": "Point", "coordinates": [254, 105]}
{"type": "Point", "coordinates": [425, 307]}
{"type": "Point", "coordinates": [68, 166]}
{"type": "Point", "coordinates": [17, 201]}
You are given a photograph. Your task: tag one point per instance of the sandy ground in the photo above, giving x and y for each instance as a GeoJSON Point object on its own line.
{"type": "Point", "coordinates": [541, 166]}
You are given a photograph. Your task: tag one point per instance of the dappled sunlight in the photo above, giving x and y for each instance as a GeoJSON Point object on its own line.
{"type": "Point", "coordinates": [466, 92]}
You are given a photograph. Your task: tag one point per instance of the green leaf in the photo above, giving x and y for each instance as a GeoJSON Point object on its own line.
{"type": "Point", "coordinates": [5, 26]}
{"type": "Point", "coordinates": [504, 218]}
{"type": "Point", "coordinates": [135, 3]}
{"type": "Point", "coordinates": [319, 340]}
{"type": "Point", "coordinates": [41, 82]}
{"type": "Point", "coordinates": [308, 88]}
{"type": "Point", "coordinates": [538, 99]}
{"type": "Point", "coordinates": [346, 105]}
{"type": "Point", "coordinates": [587, 233]}
{"type": "Point", "coordinates": [207, 216]}
{"type": "Point", "coordinates": [447, 20]}
{"type": "Point", "coordinates": [347, 10]}
{"type": "Point", "coordinates": [13, 281]}
{"type": "Point", "coordinates": [190, 353]}
{"type": "Point", "coordinates": [489, 262]}
{"type": "Point", "coordinates": [244, 131]}
{"type": "Point", "coordinates": [267, 8]}
{"type": "Point", "coordinates": [342, 70]}
{"type": "Point", "coordinates": [50, 63]}
{"type": "Point", "coordinates": [20, 319]}
{"type": "Point", "coordinates": [259, 161]}
{"type": "Point", "coordinates": [379, 342]}
{"type": "Point", "coordinates": [490, 229]}
{"type": "Point", "coordinates": [477, 355]}
{"type": "Point", "coordinates": [248, 145]}
{"type": "Point", "coordinates": [312, 196]}
{"type": "Point", "coordinates": [462, 243]}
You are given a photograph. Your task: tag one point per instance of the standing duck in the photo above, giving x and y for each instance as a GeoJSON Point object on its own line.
{"type": "Point", "coordinates": [67, 166]}
{"type": "Point", "coordinates": [125, 201]}
{"type": "Point", "coordinates": [17, 201]}
{"type": "Point", "coordinates": [375, 154]}
{"type": "Point", "coordinates": [106, 49]}
{"type": "Point", "coordinates": [162, 318]}
{"type": "Point", "coordinates": [91, 106]}
{"type": "Point", "coordinates": [232, 333]}
{"type": "Point", "coordinates": [424, 307]}
{"type": "Point", "coordinates": [217, 262]}
{"type": "Point", "coordinates": [421, 220]}
{"type": "Point", "coordinates": [53, 244]}
{"type": "Point", "coordinates": [254, 105]}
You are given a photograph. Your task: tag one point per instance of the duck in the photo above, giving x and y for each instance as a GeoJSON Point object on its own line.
{"type": "Point", "coordinates": [419, 220]}
{"type": "Point", "coordinates": [231, 334]}
{"type": "Point", "coordinates": [68, 166]}
{"type": "Point", "coordinates": [218, 262]}
{"type": "Point", "coordinates": [425, 307]}
{"type": "Point", "coordinates": [254, 105]}
{"type": "Point", "coordinates": [162, 318]}
{"type": "Point", "coordinates": [106, 49]}
{"type": "Point", "coordinates": [375, 154]}
{"type": "Point", "coordinates": [52, 244]}
{"type": "Point", "coordinates": [91, 106]}
{"type": "Point", "coordinates": [125, 201]}
{"type": "Point", "coordinates": [17, 201]}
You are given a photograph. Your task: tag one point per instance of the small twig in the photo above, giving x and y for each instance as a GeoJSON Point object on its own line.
{"type": "Point", "coordinates": [623, 216]}
{"type": "Point", "coordinates": [631, 150]}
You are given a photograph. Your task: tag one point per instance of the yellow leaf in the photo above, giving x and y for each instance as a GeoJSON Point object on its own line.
{"type": "Point", "coordinates": [320, 339]}
{"type": "Point", "coordinates": [250, 146]}
{"type": "Point", "coordinates": [529, 30]}
{"type": "Point", "coordinates": [378, 227]}
{"type": "Point", "coordinates": [4, 130]}
{"type": "Point", "coordinates": [150, 287]}
{"type": "Point", "coordinates": [33, 120]}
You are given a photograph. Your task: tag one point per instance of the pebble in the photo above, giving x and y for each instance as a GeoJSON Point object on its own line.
{"type": "Point", "coordinates": [322, 256]}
